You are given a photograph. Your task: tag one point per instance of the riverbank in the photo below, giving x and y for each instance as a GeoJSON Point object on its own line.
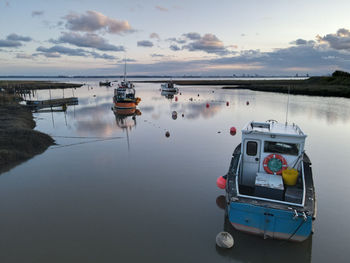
{"type": "Point", "coordinates": [314, 86]}
{"type": "Point", "coordinates": [23, 85]}
{"type": "Point", "coordinates": [18, 141]}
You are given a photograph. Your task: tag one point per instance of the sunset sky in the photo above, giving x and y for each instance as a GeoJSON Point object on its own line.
{"type": "Point", "coordinates": [222, 37]}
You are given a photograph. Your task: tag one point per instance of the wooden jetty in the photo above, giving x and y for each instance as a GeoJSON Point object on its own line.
{"type": "Point", "coordinates": [64, 102]}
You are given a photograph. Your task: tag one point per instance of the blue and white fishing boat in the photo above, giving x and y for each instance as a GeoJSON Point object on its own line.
{"type": "Point", "coordinates": [269, 185]}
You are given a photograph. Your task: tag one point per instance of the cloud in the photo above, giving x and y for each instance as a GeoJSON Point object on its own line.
{"type": "Point", "coordinates": [37, 13]}
{"type": "Point", "coordinates": [154, 35]}
{"type": "Point", "coordinates": [93, 21]}
{"type": "Point", "coordinates": [208, 43]}
{"type": "Point", "coordinates": [154, 55]}
{"type": "Point", "coordinates": [192, 36]}
{"type": "Point", "coordinates": [10, 43]}
{"type": "Point", "coordinates": [144, 43]}
{"type": "Point", "coordinates": [89, 40]}
{"type": "Point", "coordinates": [160, 8]}
{"type": "Point", "coordinates": [174, 48]}
{"type": "Point", "coordinates": [57, 51]}
{"type": "Point", "coordinates": [15, 37]}
{"type": "Point", "coordinates": [338, 41]}
{"type": "Point", "coordinates": [24, 56]}
{"type": "Point", "coordinates": [126, 60]}
{"type": "Point", "coordinates": [177, 40]}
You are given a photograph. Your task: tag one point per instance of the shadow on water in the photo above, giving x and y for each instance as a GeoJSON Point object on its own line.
{"type": "Point", "coordinates": [250, 248]}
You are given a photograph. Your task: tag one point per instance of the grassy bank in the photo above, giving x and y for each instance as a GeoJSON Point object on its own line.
{"type": "Point", "coordinates": [19, 85]}
{"type": "Point", "coordinates": [314, 86]}
{"type": "Point", "coordinates": [18, 140]}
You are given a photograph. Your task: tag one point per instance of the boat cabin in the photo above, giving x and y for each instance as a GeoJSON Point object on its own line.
{"type": "Point", "coordinates": [267, 149]}
{"type": "Point", "coordinates": [122, 93]}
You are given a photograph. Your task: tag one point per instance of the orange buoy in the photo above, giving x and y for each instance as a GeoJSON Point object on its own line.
{"type": "Point", "coordinates": [227, 103]}
{"type": "Point", "coordinates": [233, 131]}
{"type": "Point", "coordinates": [221, 182]}
{"type": "Point", "coordinates": [207, 105]}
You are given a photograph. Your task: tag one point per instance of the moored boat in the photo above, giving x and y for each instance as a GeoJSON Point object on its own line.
{"type": "Point", "coordinates": [124, 96]}
{"type": "Point", "coordinates": [269, 185]}
{"type": "Point", "coordinates": [105, 83]}
{"type": "Point", "coordinates": [169, 87]}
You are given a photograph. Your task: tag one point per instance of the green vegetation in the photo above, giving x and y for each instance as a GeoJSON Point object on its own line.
{"type": "Point", "coordinates": [20, 85]}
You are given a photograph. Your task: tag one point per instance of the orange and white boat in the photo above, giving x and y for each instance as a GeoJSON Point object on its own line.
{"type": "Point", "coordinates": [124, 96]}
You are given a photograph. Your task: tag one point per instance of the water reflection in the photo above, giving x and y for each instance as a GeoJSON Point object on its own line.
{"type": "Point", "coordinates": [126, 120]}
{"type": "Point", "coordinates": [169, 94]}
{"type": "Point", "coordinates": [250, 248]}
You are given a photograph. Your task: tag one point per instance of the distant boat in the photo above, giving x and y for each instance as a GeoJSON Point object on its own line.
{"type": "Point", "coordinates": [105, 83]}
{"type": "Point", "coordinates": [269, 185]}
{"type": "Point", "coordinates": [169, 87]}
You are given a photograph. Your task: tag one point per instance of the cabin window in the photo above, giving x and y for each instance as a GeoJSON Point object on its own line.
{"type": "Point", "coordinates": [252, 148]}
{"type": "Point", "coordinates": [281, 147]}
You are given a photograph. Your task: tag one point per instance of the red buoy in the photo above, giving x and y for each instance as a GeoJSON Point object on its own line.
{"type": "Point", "coordinates": [221, 182]}
{"type": "Point", "coordinates": [227, 103]}
{"type": "Point", "coordinates": [207, 105]}
{"type": "Point", "coordinates": [176, 98]}
{"type": "Point", "coordinates": [233, 131]}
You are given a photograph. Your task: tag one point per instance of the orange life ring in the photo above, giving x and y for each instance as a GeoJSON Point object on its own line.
{"type": "Point", "coordinates": [279, 167]}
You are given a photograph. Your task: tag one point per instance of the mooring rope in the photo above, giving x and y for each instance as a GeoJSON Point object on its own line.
{"type": "Point", "coordinates": [85, 142]}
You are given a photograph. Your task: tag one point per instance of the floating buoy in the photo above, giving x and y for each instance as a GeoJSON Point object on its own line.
{"type": "Point", "coordinates": [183, 115]}
{"type": "Point", "coordinates": [180, 93]}
{"type": "Point", "coordinates": [191, 99]}
{"type": "Point", "coordinates": [224, 240]}
{"type": "Point", "coordinates": [207, 105]}
{"type": "Point", "coordinates": [198, 95]}
{"type": "Point", "coordinates": [174, 115]}
{"type": "Point", "coordinates": [227, 103]}
{"type": "Point", "coordinates": [247, 103]}
{"type": "Point", "coordinates": [233, 131]}
{"type": "Point", "coordinates": [176, 98]}
{"type": "Point", "coordinates": [221, 182]}
{"type": "Point", "coordinates": [221, 202]}
{"type": "Point", "coordinates": [167, 134]}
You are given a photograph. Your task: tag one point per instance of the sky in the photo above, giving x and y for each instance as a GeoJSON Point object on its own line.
{"type": "Point", "coordinates": [199, 38]}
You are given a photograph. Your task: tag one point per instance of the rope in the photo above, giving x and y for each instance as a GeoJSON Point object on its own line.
{"type": "Point", "coordinates": [84, 137]}
{"type": "Point", "coordinates": [74, 144]}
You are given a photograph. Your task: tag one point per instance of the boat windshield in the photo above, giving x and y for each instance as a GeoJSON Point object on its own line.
{"type": "Point", "coordinates": [281, 148]}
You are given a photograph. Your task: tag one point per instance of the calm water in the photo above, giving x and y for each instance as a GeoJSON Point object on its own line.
{"type": "Point", "coordinates": [124, 192]}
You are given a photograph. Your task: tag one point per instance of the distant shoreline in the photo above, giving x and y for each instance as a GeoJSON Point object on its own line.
{"type": "Point", "coordinates": [314, 86]}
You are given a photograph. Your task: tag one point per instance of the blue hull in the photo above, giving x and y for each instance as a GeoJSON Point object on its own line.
{"type": "Point", "coordinates": [269, 222]}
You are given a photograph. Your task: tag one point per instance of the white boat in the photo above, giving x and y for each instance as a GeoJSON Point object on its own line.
{"type": "Point", "coordinates": [269, 185]}
{"type": "Point", "coordinates": [169, 87]}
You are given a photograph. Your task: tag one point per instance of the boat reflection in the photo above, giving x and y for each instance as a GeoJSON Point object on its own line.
{"type": "Point", "coordinates": [263, 250]}
{"type": "Point", "coordinates": [169, 94]}
{"type": "Point", "coordinates": [126, 120]}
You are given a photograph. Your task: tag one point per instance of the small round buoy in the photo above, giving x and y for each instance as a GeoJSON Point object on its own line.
{"type": "Point", "coordinates": [198, 94]}
{"type": "Point", "coordinates": [227, 103]}
{"type": "Point", "coordinates": [207, 105]}
{"type": "Point", "coordinates": [176, 98]}
{"type": "Point", "coordinates": [167, 134]}
{"type": "Point", "coordinates": [247, 103]}
{"type": "Point", "coordinates": [233, 131]}
{"type": "Point", "coordinates": [180, 93]}
{"type": "Point", "coordinates": [224, 240]}
{"type": "Point", "coordinates": [221, 202]}
{"type": "Point", "coordinates": [221, 182]}
{"type": "Point", "coordinates": [183, 115]}
{"type": "Point", "coordinates": [174, 115]}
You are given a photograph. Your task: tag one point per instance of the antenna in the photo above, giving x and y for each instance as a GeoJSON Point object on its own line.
{"type": "Point", "coordinates": [124, 67]}
{"type": "Point", "coordinates": [287, 106]}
